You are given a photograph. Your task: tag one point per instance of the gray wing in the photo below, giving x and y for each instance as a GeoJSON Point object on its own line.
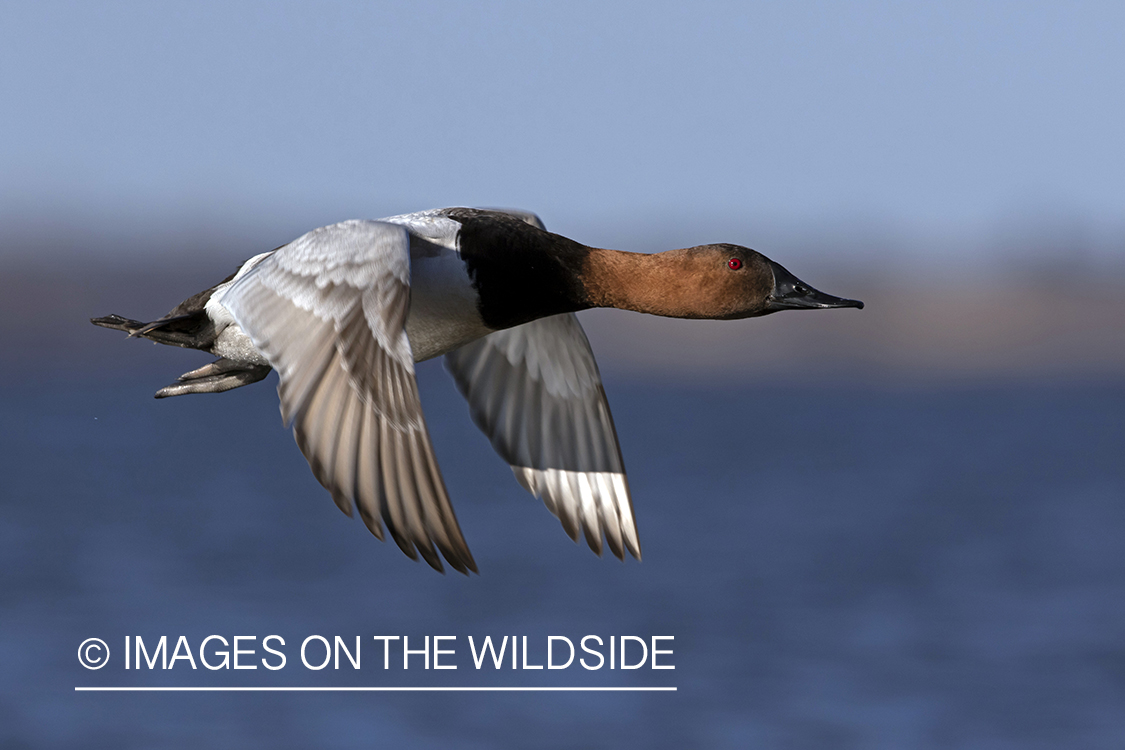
{"type": "Point", "coordinates": [328, 313]}
{"type": "Point", "coordinates": [536, 393]}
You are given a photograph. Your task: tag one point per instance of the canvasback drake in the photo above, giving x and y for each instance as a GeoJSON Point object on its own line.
{"type": "Point", "coordinates": [345, 311]}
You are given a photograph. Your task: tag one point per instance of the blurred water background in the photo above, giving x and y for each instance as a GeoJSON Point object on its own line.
{"type": "Point", "coordinates": [896, 527]}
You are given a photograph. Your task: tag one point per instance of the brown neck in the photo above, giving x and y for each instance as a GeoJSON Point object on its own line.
{"type": "Point", "coordinates": [671, 284]}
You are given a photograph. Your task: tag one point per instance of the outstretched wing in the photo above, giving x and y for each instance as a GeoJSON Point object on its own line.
{"type": "Point", "coordinates": [328, 312]}
{"type": "Point", "coordinates": [536, 392]}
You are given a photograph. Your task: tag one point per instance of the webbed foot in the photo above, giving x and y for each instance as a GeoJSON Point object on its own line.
{"type": "Point", "coordinates": [221, 375]}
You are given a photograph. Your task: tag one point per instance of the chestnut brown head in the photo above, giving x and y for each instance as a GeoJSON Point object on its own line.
{"type": "Point", "coordinates": [729, 282]}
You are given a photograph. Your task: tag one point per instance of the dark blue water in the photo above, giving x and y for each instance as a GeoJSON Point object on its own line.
{"type": "Point", "coordinates": [841, 567]}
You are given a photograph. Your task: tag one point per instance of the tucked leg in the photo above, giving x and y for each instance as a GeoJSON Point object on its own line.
{"type": "Point", "coordinates": [221, 375]}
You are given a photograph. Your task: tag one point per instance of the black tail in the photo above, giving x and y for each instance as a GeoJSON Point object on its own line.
{"type": "Point", "coordinates": [192, 331]}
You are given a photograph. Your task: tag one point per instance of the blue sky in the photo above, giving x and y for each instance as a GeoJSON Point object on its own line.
{"type": "Point", "coordinates": [605, 117]}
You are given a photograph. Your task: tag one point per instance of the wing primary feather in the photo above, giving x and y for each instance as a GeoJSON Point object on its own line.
{"type": "Point", "coordinates": [317, 430]}
{"type": "Point", "coordinates": [403, 469]}
{"type": "Point", "coordinates": [523, 476]}
{"type": "Point", "coordinates": [408, 494]}
{"type": "Point", "coordinates": [623, 499]}
{"type": "Point", "coordinates": [453, 530]}
{"type": "Point", "coordinates": [334, 413]}
{"type": "Point", "coordinates": [393, 512]}
{"type": "Point", "coordinates": [585, 501]}
{"type": "Point", "coordinates": [346, 444]}
{"type": "Point", "coordinates": [368, 487]}
{"type": "Point", "coordinates": [607, 508]}
{"type": "Point", "coordinates": [591, 451]}
{"type": "Point", "coordinates": [566, 510]}
{"type": "Point", "coordinates": [431, 507]}
{"type": "Point", "coordinates": [625, 513]}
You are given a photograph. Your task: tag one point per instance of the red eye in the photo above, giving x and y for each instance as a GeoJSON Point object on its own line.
{"type": "Point", "coordinates": [734, 264]}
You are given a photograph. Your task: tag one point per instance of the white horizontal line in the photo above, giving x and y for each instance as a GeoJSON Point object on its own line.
{"type": "Point", "coordinates": [380, 689]}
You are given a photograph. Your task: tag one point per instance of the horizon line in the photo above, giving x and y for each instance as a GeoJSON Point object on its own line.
{"type": "Point", "coordinates": [381, 689]}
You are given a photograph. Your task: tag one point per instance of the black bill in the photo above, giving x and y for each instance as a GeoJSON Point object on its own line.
{"type": "Point", "coordinates": [790, 293]}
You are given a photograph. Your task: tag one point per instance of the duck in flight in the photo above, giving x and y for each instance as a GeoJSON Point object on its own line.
{"type": "Point", "coordinates": [345, 311]}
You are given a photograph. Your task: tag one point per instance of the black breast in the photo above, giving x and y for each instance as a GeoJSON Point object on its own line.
{"type": "Point", "coordinates": [520, 272]}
